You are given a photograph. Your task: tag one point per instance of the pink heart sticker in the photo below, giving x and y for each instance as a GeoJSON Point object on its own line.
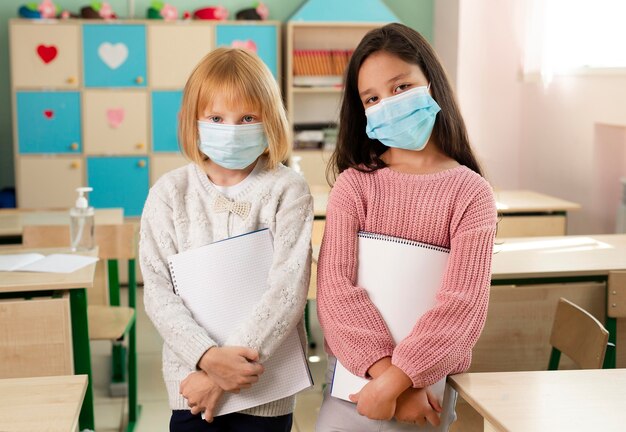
{"type": "Point", "coordinates": [249, 45]}
{"type": "Point", "coordinates": [48, 114]}
{"type": "Point", "coordinates": [115, 117]}
{"type": "Point", "coordinates": [47, 53]}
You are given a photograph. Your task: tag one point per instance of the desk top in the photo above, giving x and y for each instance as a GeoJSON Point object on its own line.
{"type": "Point", "coordinates": [525, 201]}
{"type": "Point", "coordinates": [13, 220]}
{"type": "Point", "coordinates": [569, 256]}
{"type": "Point", "coordinates": [16, 281]}
{"type": "Point", "coordinates": [42, 403]}
{"type": "Point", "coordinates": [579, 400]}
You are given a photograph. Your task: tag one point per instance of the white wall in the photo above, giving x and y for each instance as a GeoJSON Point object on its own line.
{"type": "Point", "coordinates": [566, 140]}
{"type": "Point", "coordinates": [488, 87]}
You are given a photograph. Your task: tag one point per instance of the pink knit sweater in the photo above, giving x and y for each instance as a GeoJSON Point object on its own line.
{"type": "Point", "coordinates": [455, 209]}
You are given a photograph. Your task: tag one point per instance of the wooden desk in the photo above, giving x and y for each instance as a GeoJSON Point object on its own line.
{"type": "Point", "coordinates": [24, 284]}
{"type": "Point", "coordinates": [581, 400]}
{"type": "Point", "coordinates": [42, 403]}
{"type": "Point", "coordinates": [13, 220]}
{"type": "Point", "coordinates": [531, 214]}
{"type": "Point", "coordinates": [527, 272]}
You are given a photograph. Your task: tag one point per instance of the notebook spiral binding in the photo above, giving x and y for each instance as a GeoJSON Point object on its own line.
{"type": "Point", "coordinates": [173, 276]}
{"type": "Point", "coordinates": [374, 236]}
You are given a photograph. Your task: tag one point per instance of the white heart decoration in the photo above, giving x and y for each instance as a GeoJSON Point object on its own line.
{"type": "Point", "coordinates": [113, 55]}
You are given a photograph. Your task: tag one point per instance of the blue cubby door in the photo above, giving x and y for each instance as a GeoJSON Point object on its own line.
{"type": "Point", "coordinates": [118, 182]}
{"type": "Point", "coordinates": [264, 37]}
{"type": "Point", "coordinates": [48, 122]}
{"type": "Point", "coordinates": [165, 107]}
{"type": "Point", "coordinates": [114, 55]}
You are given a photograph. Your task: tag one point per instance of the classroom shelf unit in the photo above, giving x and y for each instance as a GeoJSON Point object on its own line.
{"type": "Point", "coordinates": [315, 103]}
{"type": "Point", "coordinates": [96, 103]}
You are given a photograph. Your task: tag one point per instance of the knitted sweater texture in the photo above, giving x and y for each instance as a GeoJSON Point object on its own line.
{"type": "Point", "coordinates": [455, 209]}
{"type": "Point", "coordinates": [178, 216]}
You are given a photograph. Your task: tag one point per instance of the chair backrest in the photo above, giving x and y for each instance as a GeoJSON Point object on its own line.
{"type": "Point", "coordinates": [579, 335]}
{"type": "Point", "coordinates": [117, 241]}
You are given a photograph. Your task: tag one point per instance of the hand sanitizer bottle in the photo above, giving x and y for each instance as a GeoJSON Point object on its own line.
{"type": "Point", "coordinates": [81, 222]}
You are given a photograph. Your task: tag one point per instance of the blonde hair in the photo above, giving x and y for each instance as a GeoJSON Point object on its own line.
{"type": "Point", "coordinates": [244, 80]}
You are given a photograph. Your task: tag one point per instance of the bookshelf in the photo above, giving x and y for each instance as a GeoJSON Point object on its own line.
{"type": "Point", "coordinates": [317, 104]}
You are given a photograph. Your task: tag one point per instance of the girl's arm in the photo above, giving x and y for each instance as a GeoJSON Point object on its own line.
{"type": "Point", "coordinates": [282, 305]}
{"type": "Point", "coordinates": [166, 310]}
{"type": "Point", "coordinates": [441, 342]}
{"type": "Point", "coordinates": [352, 326]}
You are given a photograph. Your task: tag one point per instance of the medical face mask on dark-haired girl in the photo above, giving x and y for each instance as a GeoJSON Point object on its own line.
{"type": "Point", "coordinates": [403, 121]}
{"type": "Point", "coordinates": [232, 146]}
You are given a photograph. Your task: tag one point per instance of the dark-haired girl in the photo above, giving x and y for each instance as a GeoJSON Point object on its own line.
{"type": "Point", "coordinates": [406, 169]}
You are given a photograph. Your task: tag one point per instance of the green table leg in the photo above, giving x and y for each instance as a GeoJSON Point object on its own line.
{"type": "Point", "coordinates": [610, 359]}
{"type": "Point", "coordinates": [133, 407]}
{"type": "Point", "coordinates": [82, 354]}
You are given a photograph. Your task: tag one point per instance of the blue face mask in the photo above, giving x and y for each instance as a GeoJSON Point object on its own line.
{"type": "Point", "coordinates": [403, 121]}
{"type": "Point", "coordinates": [232, 146]}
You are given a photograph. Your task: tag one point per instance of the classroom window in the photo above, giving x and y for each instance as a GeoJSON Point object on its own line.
{"type": "Point", "coordinates": [574, 36]}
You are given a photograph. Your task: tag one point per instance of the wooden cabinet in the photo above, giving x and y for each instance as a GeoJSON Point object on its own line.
{"type": "Point", "coordinates": [174, 50]}
{"type": "Point", "coordinates": [119, 182]}
{"type": "Point", "coordinates": [45, 55]}
{"type": "Point", "coordinates": [48, 122]}
{"type": "Point", "coordinates": [262, 39]}
{"type": "Point", "coordinates": [114, 55]}
{"type": "Point", "coordinates": [115, 122]}
{"type": "Point", "coordinates": [47, 181]}
{"type": "Point", "coordinates": [165, 108]}
{"type": "Point", "coordinates": [96, 103]}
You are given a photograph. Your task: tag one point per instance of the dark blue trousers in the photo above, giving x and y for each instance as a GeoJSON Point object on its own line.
{"type": "Point", "coordinates": [184, 421]}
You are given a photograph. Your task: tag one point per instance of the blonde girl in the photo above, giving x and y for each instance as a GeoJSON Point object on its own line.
{"type": "Point", "coordinates": [233, 129]}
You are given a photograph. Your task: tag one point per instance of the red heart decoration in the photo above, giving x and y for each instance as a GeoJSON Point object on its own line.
{"type": "Point", "coordinates": [48, 114]}
{"type": "Point", "coordinates": [47, 53]}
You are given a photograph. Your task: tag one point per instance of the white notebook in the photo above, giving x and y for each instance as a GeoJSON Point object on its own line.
{"type": "Point", "coordinates": [220, 284]}
{"type": "Point", "coordinates": [34, 262]}
{"type": "Point", "coordinates": [401, 278]}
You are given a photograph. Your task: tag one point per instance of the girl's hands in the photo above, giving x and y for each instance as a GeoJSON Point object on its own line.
{"type": "Point", "coordinates": [374, 402]}
{"type": "Point", "coordinates": [232, 368]}
{"type": "Point", "coordinates": [377, 399]}
{"type": "Point", "coordinates": [202, 394]}
{"type": "Point", "coordinates": [416, 406]}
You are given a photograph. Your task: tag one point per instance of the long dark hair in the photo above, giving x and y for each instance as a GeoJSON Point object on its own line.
{"type": "Point", "coordinates": [354, 148]}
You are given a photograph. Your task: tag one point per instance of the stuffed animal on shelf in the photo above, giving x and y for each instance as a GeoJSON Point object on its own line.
{"type": "Point", "coordinates": [46, 9]}
{"type": "Point", "coordinates": [218, 13]}
{"type": "Point", "coordinates": [98, 10]}
{"type": "Point", "coordinates": [259, 12]}
{"type": "Point", "coordinates": [164, 11]}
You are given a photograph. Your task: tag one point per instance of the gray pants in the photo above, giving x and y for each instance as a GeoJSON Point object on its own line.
{"type": "Point", "coordinates": [337, 415]}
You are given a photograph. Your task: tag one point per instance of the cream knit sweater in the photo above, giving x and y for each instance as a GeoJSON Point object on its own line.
{"type": "Point", "coordinates": [178, 215]}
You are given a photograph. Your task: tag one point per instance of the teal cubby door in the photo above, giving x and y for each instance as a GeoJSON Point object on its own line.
{"type": "Point", "coordinates": [118, 182]}
{"type": "Point", "coordinates": [48, 122]}
{"type": "Point", "coordinates": [114, 55]}
{"type": "Point", "coordinates": [262, 38]}
{"type": "Point", "coordinates": [165, 107]}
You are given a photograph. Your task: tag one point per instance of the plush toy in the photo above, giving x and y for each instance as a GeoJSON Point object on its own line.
{"type": "Point", "coordinates": [257, 13]}
{"type": "Point", "coordinates": [46, 9]}
{"type": "Point", "coordinates": [218, 13]}
{"type": "Point", "coordinates": [164, 11]}
{"type": "Point", "coordinates": [98, 10]}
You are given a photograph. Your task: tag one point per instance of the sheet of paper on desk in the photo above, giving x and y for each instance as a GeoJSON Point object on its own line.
{"type": "Point", "coordinates": [55, 263]}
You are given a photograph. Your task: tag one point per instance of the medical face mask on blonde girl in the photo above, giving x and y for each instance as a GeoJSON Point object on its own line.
{"type": "Point", "coordinates": [232, 137]}
{"type": "Point", "coordinates": [396, 96]}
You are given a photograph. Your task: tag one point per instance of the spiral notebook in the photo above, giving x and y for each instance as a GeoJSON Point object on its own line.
{"type": "Point", "coordinates": [220, 284]}
{"type": "Point", "coordinates": [401, 278]}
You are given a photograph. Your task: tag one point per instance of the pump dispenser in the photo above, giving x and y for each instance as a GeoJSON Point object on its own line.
{"type": "Point", "coordinates": [81, 222]}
